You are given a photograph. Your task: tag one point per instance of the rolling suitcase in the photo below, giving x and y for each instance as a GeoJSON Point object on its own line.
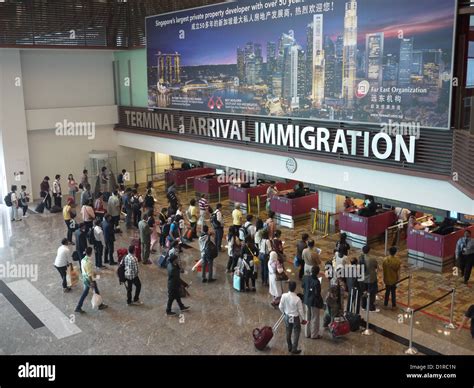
{"type": "Point", "coordinates": [41, 206]}
{"type": "Point", "coordinates": [121, 253]}
{"type": "Point", "coordinates": [261, 337]}
{"type": "Point", "coordinates": [138, 248]}
{"type": "Point", "coordinates": [339, 327]}
{"type": "Point", "coordinates": [55, 209]}
{"type": "Point", "coordinates": [352, 317]}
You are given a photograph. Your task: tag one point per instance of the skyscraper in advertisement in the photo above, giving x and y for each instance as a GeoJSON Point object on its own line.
{"type": "Point", "coordinates": [349, 53]}
{"type": "Point", "coordinates": [432, 60]}
{"type": "Point", "coordinates": [241, 65]}
{"type": "Point", "coordinates": [390, 70]}
{"type": "Point", "coordinates": [339, 47]}
{"type": "Point", "coordinates": [417, 61]}
{"type": "Point", "coordinates": [318, 61]}
{"type": "Point", "coordinates": [258, 62]}
{"type": "Point", "coordinates": [405, 62]}
{"type": "Point", "coordinates": [374, 58]}
{"type": "Point", "coordinates": [294, 75]}
{"type": "Point", "coordinates": [330, 68]}
{"type": "Point", "coordinates": [168, 68]}
{"type": "Point", "coordinates": [309, 59]}
{"type": "Point", "coordinates": [271, 64]}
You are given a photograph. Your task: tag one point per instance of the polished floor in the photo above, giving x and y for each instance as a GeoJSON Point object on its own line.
{"type": "Point", "coordinates": [220, 321]}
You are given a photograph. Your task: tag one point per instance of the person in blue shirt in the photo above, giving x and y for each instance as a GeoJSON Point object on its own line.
{"type": "Point", "coordinates": [461, 246]}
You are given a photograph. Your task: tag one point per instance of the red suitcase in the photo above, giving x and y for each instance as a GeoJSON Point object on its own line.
{"type": "Point", "coordinates": [339, 327]}
{"type": "Point", "coordinates": [121, 253]}
{"type": "Point", "coordinates": [138, 248]}
{"type": "Point", "coordinates": [261, 337]}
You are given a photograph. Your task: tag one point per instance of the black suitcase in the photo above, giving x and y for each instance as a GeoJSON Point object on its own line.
{"type": "Point", "coordinates": [41, 206]}
{"type": "Point", "coordinates": [56, 209]}
{"type": "Point", "coordinates": [351, 316]}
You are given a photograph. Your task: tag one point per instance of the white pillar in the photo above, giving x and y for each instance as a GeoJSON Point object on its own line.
{"type": "Point", "coordinates": [332, 203]}
{"type": "Point", "coordinates": [13, 127]}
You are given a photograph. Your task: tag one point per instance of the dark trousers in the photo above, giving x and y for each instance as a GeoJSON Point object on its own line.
{"type": "Point", "coordinates": [24, 208]}
{"type": "Point", "coordinates": [136, 217]}
{"type": "Point", "coordinates": [232, 263]}
{"type": "Point", "coordinates": [467, 271]}
{"type": "Point", "coordinates": [63, 271]}
{"type": "Point", "coordinates": [462, 263]}
{"type": "Point", "coordinates": [372, 288]}
{"type": "Point", "coordinates": [390, 290]}
{"type": "Point", "coordinates": [57, 200]}
{"type": "Point", "coordinates": [249, 277]}
{"type": "Point", "coordinates": [115, 221]}
{"type": "Point", "coordinates": [209, 263]}
{"type": "Point", "coordinates": [88, 225]}
{"type": "Point", "coordinates": [301, 273]}
{"type": "Point", "coordinates": [193, 228]}
{"type": "Point", "coordinates": [355, 302]}
{"type": "Point", "coordinates": [174, 296]}
{"type": "Point", "coordinates": [109, 252]}
{"type": "Point", "coordinates": [264, 266]}
{"type": "Point", "coordinates": [162, 238]}
{"type": "Point", "coordinates": [219, 234]}
{"type": "Point", "coordinates": [138, 286]}
{"type": "Point", "coordinates": [69, 230]}
{"type": "Point", "coordinates": [99, 249]}
{"type": "Point", "coordinates": [292, 330]}
{"type": "Point", "coordinates": [47, 201]}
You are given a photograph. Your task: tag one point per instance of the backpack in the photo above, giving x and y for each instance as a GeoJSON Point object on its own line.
{"type": "Point", "coordinates": [134, 203]}
{"type": "Point", "coordinates": [212, 249]}
{"type": "Point", "coordinates": [149, 201]}
{"type": "Point", "coordinates": [91, 236]}
{"type": "Point", "coordinates": [121, 272]}
{"type": "Point", "coordinates": [166, 229]}
{"type": "Point", "coordinates": [214, 222]}
{"type": "Point", "coordinates": [244, 232]}
{"type": "Point", "coordinates": [8, 200]}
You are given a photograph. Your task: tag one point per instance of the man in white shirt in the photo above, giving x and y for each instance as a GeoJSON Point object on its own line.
{"type": "Point", "coordinates": [99, 244]}
{"type": "Point", "coordinates": [63, 259]}
{"type": "Point", "coordinates": [248, 229]}
{"type": "Point", "coordinates": [113, 208]}
{"type": "Point", "coordinates": [292, 306]}
{"type": "Point", "coordinates": [57, 191]}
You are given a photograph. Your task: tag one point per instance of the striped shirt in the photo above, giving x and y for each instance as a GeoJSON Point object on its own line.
{"type": "Point", "coordinates": [203, 204]}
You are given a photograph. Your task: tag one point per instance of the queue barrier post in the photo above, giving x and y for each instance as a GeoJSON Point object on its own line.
{"type": "Point", "coordinates": [367, 330]}
{"type": "Point", "coordinates": [411, 349]}
{"type": "Point", "coordinates": [258, 205]}
{"type": "Point", "coordinates": [409, 290]}
{"type": "Point", "coordinates": [249, 211]}
{"type": "Point", "coordinates": [451, 324]}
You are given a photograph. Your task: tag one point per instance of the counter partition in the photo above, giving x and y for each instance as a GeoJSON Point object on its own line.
{"type": "Point", "coordinates": [433, 251]}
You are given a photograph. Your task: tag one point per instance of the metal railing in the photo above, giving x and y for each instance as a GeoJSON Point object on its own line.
{"type": "Point", "coordinates": [411, 349]}
{"type": "Point", "coordinates": [367, 330]}
{"type": "Point", "coordinates": [253, 203]}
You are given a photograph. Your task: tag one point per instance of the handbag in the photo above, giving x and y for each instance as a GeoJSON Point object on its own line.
{"type": "Point", "coordinates": [96, 301]}
{"type": "Point", "coordinates": [72, 276]}
{"type": "Point", "coordinates": [280, 274]}
{"type": "Point", "coordinates": [256, 260]}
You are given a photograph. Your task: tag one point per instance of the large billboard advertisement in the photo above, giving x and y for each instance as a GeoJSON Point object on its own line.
{"type": "Point", "coordinates": [359, 61]}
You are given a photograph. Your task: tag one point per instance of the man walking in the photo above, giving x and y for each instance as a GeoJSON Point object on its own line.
{"type": "Point", "coordinates": [145, 238]}
{"type": "Point", "coordinates": [292, 307]}
{"type": "Point", "coordinates": [131, 274]}
{"type": "Point", "coordinates": [174, 283]}
{"type": "Point", "coordinates": [89, 280]}
{"type": "Point", "coordinates": [461, 246]}
{"type": "Point", "coordinates": [99, 244]}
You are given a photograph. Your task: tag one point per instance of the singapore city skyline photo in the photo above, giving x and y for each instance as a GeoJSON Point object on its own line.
{"type": "Point", "coordinates": [330, 61]}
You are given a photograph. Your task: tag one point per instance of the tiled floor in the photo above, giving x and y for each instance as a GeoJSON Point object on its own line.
{"type": "Point", "coordinates": [220, 320]}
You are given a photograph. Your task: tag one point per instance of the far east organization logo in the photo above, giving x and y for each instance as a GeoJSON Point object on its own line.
{"type": "Point", "coordinates": [215, 103]}
{"type": "Point", "coordinates": [362, 89]}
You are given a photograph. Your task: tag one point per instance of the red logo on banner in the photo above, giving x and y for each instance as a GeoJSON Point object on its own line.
{"type": "Point", "coordinates": [211, 104]}
{"type": "Point", "coordinates": [219, 103]}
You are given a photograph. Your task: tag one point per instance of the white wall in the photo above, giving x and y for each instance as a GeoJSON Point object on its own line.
{"type": "Point", "coordinates": [51, 155]}
{"type": "Point", "coordinates": [411, 189]}
{"type": "Point", "coordinates": [67, 78]}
